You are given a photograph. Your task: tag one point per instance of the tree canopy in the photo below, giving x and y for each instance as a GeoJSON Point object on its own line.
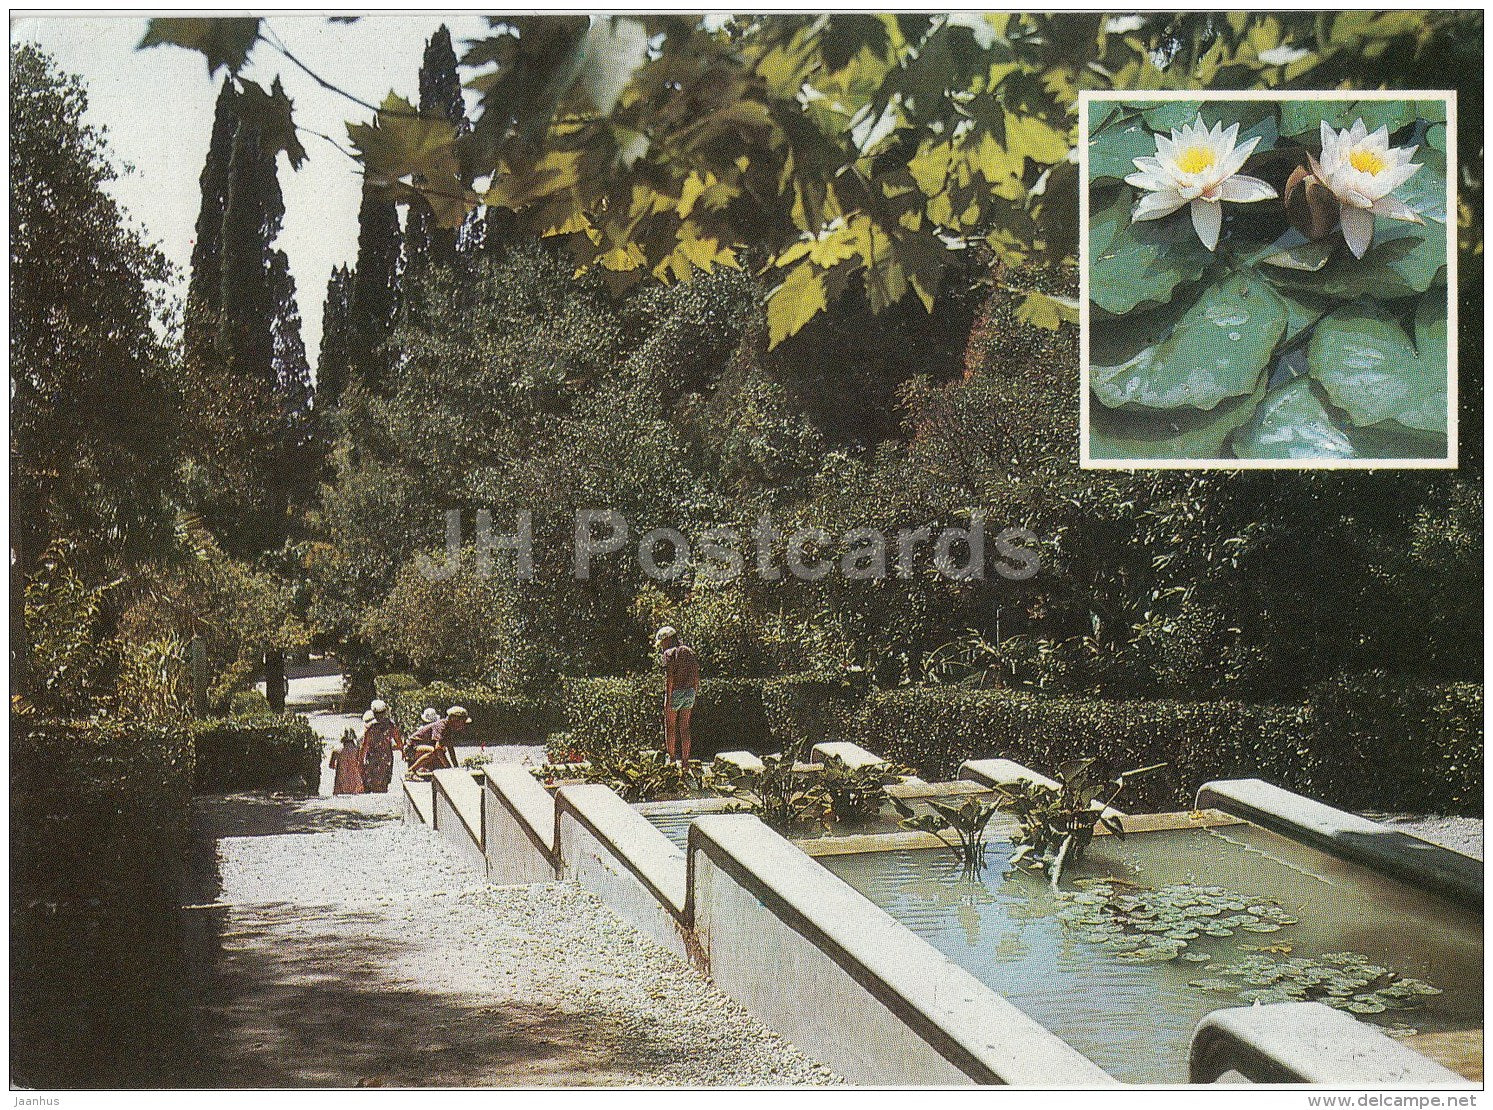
{"type": "Point", "coordinates": [819, 150]}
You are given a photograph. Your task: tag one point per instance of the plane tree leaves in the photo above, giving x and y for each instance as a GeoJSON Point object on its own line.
{"type": "Point", "coordinates": [938, 131]}
{"type": "Point", "coordinates": [271, 113]}
{"type": "Point", "coordinates": [225, 43]}
{"type": "Point", "coordinates": [414, 156]}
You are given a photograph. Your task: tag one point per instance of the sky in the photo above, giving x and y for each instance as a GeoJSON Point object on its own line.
{"type": "Point", "coordinates": [157, 106]}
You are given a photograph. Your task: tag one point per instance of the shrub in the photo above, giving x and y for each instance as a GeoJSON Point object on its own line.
{"type": "Point", "coordinates": [249, 752]}
{"type": "Point", "coordinates": [391, 687]}
{"type": "Point", "coordinates": [937, 728]}
{"type": "Point", "coordinates": [497, 717]}
{"type": "Point", "coordinates": [1389, 743]}
{"type": "Point", "coordinates": [628, 712]}
{"type": "Point", "coordinates": [99, 832]}
{"type": "Point", "coordinates": [807, 709]}
{"type": "Point", "coordinates": [249, 703]}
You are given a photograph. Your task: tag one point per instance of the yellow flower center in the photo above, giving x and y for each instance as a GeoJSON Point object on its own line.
{"type": "Point", "coordinates": [1366, 161]}
{"type": "Point", "coordinates": [1196, 159]}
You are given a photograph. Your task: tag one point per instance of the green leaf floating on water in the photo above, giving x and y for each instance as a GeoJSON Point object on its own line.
{"type": "Point", "coordinates": [1113, 150]}
{"type": "Point", "coordinates": [1305, 117]}
{"type": "Point", "coordinates": [1174, 434]}
{"type": "Point", "coordinates": [1370, 368]}
{"type": "Point", "coordinates": [1293, 423]}
{"type": "Point", "coordinates": [1216, 351]}
{"type": "Point", "coordinates": [1140, 264]}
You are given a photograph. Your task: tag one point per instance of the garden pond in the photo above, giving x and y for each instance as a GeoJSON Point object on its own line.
{"type": "Point", "coordinates": [1152, 933]}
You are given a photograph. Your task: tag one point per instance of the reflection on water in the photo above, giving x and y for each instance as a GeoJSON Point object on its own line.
{"type": "Point", "coordinates": [1136, 1019]}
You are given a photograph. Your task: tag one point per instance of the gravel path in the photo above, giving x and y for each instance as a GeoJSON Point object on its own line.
{"type": "Point", "coordinates": [344, 948]}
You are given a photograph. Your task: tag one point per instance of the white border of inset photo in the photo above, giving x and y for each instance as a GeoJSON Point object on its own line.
{"type": "Point", "coordinates": [1085, 99]}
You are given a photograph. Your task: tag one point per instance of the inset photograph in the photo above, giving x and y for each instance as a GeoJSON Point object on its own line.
{"type": "Point", "coordinates": [1265, 280]}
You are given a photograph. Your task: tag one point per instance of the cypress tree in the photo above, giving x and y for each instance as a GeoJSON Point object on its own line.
{"type": "Point", "coordinates": [204, 292]}
{"type": "Point", "coordinates": [375, 292]}
{"type": "Point", "coordinates": [333, 363]}
{"type": "Point", "coordinates": [425, 244]}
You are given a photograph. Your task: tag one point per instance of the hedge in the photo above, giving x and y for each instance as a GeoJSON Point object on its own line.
{"type": "Point", "coordinates": [1372, 742]}
{"type": "Point", "coordinates": [99, 837]}
{"type": "Point", "coordinates": [750, 714]}
{"type": "Point", "coordinates": [1386, 743]}
{"type": "Point", "coordinates": [497, 717]}
{"type": "Point", "coordinates": [936, 728]}
{"type": "Point", "coordinates": [244, 753]}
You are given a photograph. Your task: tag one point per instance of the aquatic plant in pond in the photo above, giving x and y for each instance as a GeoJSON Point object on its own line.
{"type": "Point", "coordinates": [1057, 824]}
{"type": "Point", "coordinates": [967, 822]}
{"type": "Point", "coordinates": [1144, 926]}
{"type": "Point", "coordinates": [1343, 980]}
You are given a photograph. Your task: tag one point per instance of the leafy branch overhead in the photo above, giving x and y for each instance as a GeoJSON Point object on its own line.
{"type": "Point", "coordinates": [826, 152]}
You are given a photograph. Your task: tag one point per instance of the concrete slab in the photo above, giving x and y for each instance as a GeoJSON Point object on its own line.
{"type": "Point", "coordinates": [419, 802]}
{"type": "Point", "coordinates": [1307, 1042]}
{"type": "Point", "coordinates": [919, 1019]}
{"type": "Point", "coordinates": [1346, 835]}
{"type": "Point", "coordinates": [852, 755]}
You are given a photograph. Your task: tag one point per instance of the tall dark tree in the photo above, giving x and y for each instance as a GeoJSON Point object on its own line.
{"type": "Point", "coordinates": [425, 244]}
{"type": "Point", "coordinates": [333, 365]}
{"type": "Point", "coordinates": [375, 292]}
{"type": "Point", "coordinates": [257, 466]}
{"type": "Point", "coordinates": [204, 293]}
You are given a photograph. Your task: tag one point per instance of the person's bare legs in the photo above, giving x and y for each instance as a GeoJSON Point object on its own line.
{"type": "Point", "coordinates": [426, 756]}
{"type": "Point", "coordinates": [683, 729]}
{"type": "Point", "coordinates": [671, 732]}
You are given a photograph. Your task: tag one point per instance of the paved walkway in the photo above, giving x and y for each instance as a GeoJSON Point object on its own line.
{"type": "Point", "coordinates": [340, 947]}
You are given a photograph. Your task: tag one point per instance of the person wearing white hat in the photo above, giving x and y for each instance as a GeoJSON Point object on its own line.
{"type": "Point", "coordinates": [380, 738]}
{"type": "Point", "coordinates": [435, 743]}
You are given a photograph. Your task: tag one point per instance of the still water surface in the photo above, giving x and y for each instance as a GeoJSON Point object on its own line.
{"type": "Point", "coordinates": [1136, 1020]}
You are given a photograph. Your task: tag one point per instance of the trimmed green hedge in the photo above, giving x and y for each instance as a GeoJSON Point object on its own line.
{"type": "Point", "coordinates": [1382, 742]}
{"type": "Point", "coordinates": [244, 753]}
{"type": "Point", "coordinates": [751, 714]}
{"type": "Point", "coordinates": [1371, 742]}
{"type": "Point", "coordinates": [100, 822]}
{"type": "Point", "coordinates": [497, 717]}
{"type": "Point", "coordinates": [936, 728]}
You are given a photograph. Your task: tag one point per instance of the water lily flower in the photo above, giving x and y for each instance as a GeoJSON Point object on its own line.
{"type": "Point", "coordinates": [1361, 170]}
{"type": "Point", "coordinates": [1200, 168]}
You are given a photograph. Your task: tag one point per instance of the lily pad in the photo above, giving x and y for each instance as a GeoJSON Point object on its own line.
{"type": "Point", "coordinates": [1293, 423]}
{"type": "Point", "coordinates": [1113, 149]}
{"type": "Point", "coordinates": [1134, 265]}
{"type": "Point", "coordinates": [1176, 434]}
{"type": "Point", "coordinates": [1216, 351]}
{"type": "Point", "coordinates": [1371, 369]}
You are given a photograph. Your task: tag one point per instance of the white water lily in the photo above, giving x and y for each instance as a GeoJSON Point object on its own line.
{"type": "Point", "coordinates": [1361, 170]}
{"type": "Point", "coordinates": [1200, 168]}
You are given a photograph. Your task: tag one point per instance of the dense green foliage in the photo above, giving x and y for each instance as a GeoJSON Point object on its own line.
{"type": "Point", "coordinates": [95, 408]}
{"type": "Point", "coordinates": [498, 717]}
{"type": "Point", "coordinates": [245, 753]}
{"type": "Point", "coordinates": [1369, 742]}
{"type": "Point", "coordinates": [99, 826]}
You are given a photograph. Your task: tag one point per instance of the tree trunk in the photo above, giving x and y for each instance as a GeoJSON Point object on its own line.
{"type": "Point", "coordinates": [360, 689]}
{"type": "Point", "coordinates": [274, 678]}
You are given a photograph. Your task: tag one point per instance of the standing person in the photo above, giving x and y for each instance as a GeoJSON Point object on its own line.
{"type": "Point", "coordinates": [435, 744]}
{"type": "Point", "coordinates": [348, 764]}
{"type": "Point", "coordinates": [681, 683]}
{"type": "Point", "coordinates": [380, 738]}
